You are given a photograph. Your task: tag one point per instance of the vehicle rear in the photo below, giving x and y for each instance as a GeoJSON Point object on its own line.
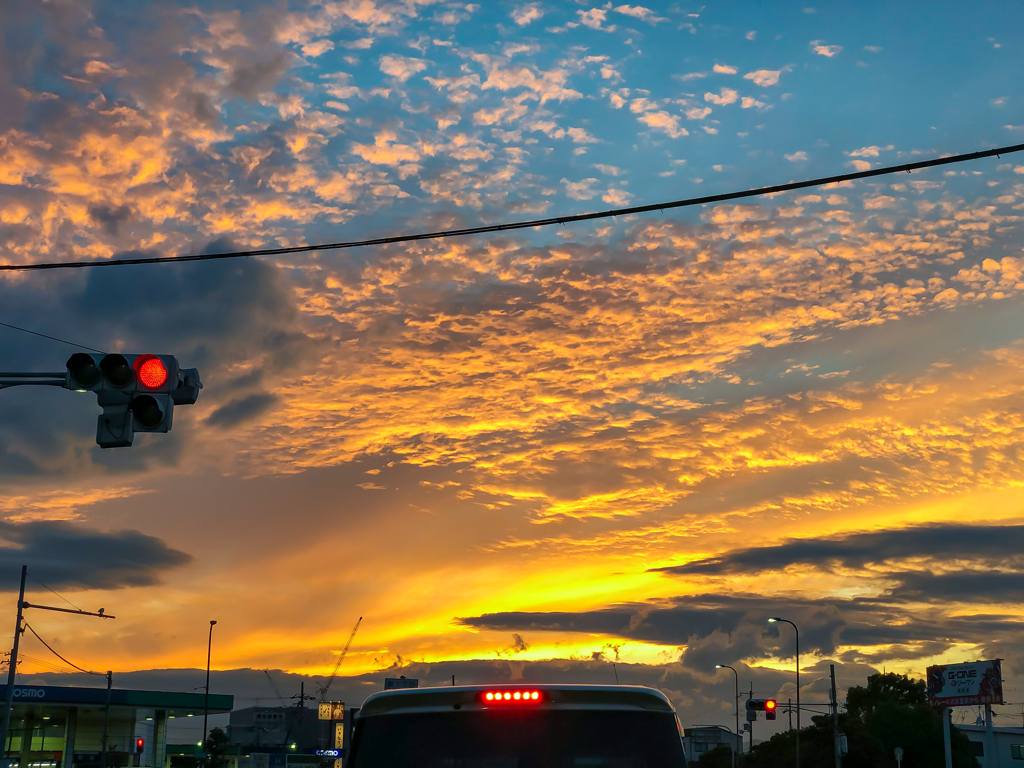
{"type": "Point", "coordinates": [541, 726]}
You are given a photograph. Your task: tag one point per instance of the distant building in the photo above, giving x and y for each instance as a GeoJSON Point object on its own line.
{"type": "Point", "coordinates": [1009, 746]}
{"type": "Point", "coordinates": [704, 738]}
{"type": "Point", "coordinates": [276, 729]}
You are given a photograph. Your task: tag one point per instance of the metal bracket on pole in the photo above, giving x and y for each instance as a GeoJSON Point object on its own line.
{"type": "Point", "coordinates": [26, 379]}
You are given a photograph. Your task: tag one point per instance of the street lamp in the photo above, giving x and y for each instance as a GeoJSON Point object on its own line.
{"type": "Point", "coordinates": [737, 703]}
{"type": "Point", "coordinates": [206, 698]}
{"type": "Point", "coordinates": [773, 620]}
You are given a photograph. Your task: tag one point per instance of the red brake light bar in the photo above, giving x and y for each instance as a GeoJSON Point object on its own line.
{"type": "Point", "coordinates": [512, 697]}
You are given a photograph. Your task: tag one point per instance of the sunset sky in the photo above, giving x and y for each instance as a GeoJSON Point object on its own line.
{"type": "Point", "coordinates": [521, 456]}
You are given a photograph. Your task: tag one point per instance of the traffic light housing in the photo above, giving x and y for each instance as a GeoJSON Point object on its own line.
{"type": "Point", "coordinates": [140, 745]}
{"type": "Point", "coordinates": [768, 706]}
{"type": "Point", "coordinates": [137, 392]}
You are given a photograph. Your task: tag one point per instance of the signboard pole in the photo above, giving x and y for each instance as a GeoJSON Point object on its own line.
{"type": "Point", "coordinates": [946, 714]}
{"type": "Point", "coordinates": [990, 740]}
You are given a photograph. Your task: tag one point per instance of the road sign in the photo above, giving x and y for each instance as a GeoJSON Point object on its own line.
{"type": "Point", "coordinates": [968, 684]}
{"type": "Point", "coordinates": [391, 683]}
{"type": "Point", "coordinates": [899, 755]}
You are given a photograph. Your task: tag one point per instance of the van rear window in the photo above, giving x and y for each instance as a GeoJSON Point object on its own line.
{"type": "Point", "coordinates": [546, 738]}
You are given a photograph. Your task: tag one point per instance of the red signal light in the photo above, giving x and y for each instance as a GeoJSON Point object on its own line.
{"type": "Point", "coordinates": [769, 705]}
{"type": "Point", "coordinates": [512, 697]}
{"type": "Point", "coordinates": [151, 371]}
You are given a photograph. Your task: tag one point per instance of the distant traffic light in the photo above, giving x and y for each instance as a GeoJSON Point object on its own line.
{"type": "Point", "coordinates": [770, 709]}
{"type": "Point", "coordinates": [140, 745]}
{"type": "Point", "coordinates": [137, 392]}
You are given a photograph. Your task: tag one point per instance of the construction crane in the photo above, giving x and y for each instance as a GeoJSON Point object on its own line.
{"type": "Point", "coordinates": [273, 685]}
{"type": "Point", "coordinates": [341, 657]}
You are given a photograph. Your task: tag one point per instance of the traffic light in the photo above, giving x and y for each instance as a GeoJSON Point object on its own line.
{"type": "Point", "coordinates": [140, 745]}
{"type": "Point", "coordinates": [137, 392]}
{"type": "Point", "coordinates": [768, 706]}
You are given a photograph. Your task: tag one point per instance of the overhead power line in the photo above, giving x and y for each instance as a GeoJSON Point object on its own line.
{"type": "Point", "coordinates": [51, 338]}
{"type": "Point", "coordinates": [100, 674]}
{"type": "Point", "coordinates": [607, 214]}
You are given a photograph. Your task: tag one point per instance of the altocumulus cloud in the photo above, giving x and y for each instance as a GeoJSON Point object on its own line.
{"type": "Point", "coordinates": [69, 555]}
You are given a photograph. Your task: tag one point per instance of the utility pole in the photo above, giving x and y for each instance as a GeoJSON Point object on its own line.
{"type": "Point", "coordinates": [5, 725]}
{"type": "Point", "coordinates": [206, 698]}
{"type": "Point", "coordinates": [106, 720]}
{"type": "Point", "coordinates": [790, 710]}
{"type": "Point", "coordinates": [835, 717]}
{"type": "Point", "coordinates": [750, 724]}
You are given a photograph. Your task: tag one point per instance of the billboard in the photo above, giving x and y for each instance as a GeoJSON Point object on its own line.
{"type": "Point", "coordinates": [331, 710]}
{"type": "Point", "coordinates": [967, 684]}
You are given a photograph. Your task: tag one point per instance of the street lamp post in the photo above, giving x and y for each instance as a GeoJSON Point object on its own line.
{"type": "Point", "coordinates": [206, 698]}
{"type": "Point", "coordinates": [773, 620]}
{"type": "Point", "coordinates": [736, 701]}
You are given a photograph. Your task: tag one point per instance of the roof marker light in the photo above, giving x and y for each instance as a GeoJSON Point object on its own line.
{"type": "Point", "coordinates": [512, 697]}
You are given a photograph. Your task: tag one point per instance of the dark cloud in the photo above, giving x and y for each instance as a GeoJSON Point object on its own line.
{"type": "Point", "coordinates": [968, 586]}
{"type": "Point", "coordinates": [996, 543]}
{"type": "Point", "coordinates": [110, 218]}
{"type": "Point", "coordinates": [250, 78]}
{"type": "Point", "coordinates": [727, 628]}
{"type": "Point", "coordinates": [242, 409]}
{"type": "Point", "coordinates": [67, 555]}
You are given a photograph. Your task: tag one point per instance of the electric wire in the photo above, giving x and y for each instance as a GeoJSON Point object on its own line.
{"type": "Point", "coordinates": [58, 594]}
{"type": "Point", "coordinates": [52, 338]}
{"type": "Point", "coordinates": [75, 666]}
{"type": "Point", "coordinates": [489, 228]}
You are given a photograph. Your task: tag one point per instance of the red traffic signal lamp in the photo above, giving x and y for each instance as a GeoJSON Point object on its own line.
{"type": "Point", "coordinates": [770, 709]}
{"type": "Point", "coordinates": [140, 745]}
{"type": "Point", "coordinates": [137, 392]}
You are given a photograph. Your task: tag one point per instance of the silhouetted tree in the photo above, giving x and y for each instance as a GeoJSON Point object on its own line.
{"type": "Point", "coordinates": [719, 757]}
{"type": "Point", "coordinates": [217, 745]}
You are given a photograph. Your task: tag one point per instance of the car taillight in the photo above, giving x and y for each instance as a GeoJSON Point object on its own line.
{"type": "Point", "coordinates": [507, 697]}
